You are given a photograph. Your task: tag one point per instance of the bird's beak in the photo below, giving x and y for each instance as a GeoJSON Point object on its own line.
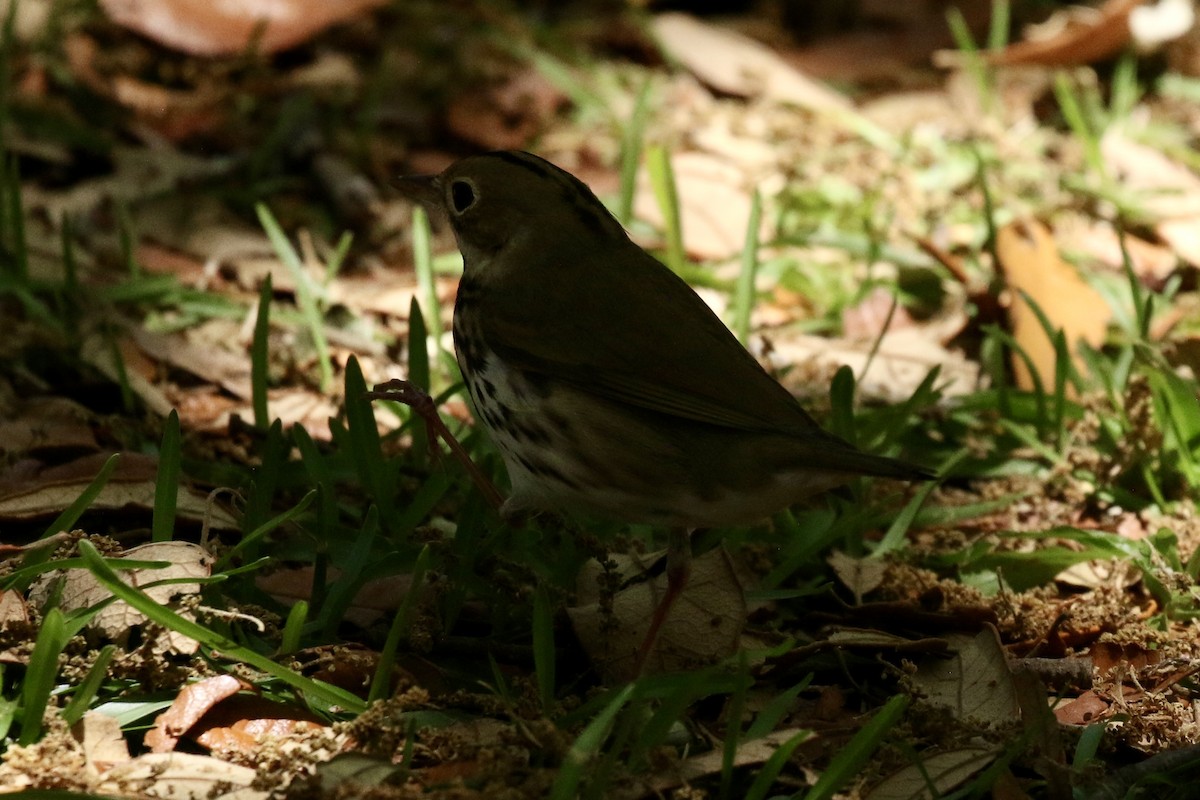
{"type": "Point", "coordinates": [424, 189]}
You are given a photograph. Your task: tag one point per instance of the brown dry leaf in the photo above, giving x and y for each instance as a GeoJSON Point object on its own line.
{"type": "Point", "coordinates": [373, 600]}
{"type": "Point", "coordinates": [1095, 574]}
{"type": "Point", "coordinates": [354, 772]}
{"type": "Point", "coordinates": [704, 625]}
{"type": "Point", "coordinates": [902, 362]}
{"type": "Point", "coordinates": [43, 427]}
{"type": "Point", "coordinates": [1075, 38]}
{"type": "Point", "coordinates": [204, 28]}
{"type": "Point", "coordinates": [101, 740]}
{"type": "Point", "coordinates": [159, 260]}
{"type": "Point", "coordinates": [1032, 267]}
{"type": "Point", "coordinates": [1106, 655]}
{"type": "Point", "coordinates": [941, 772]}
{"type": "Point", "coordinates": [243, 723]}
{"type": "Point", "coordinates": [1083, 710]}
{"type": "Point", "coordinates": [658, 783]}
{"type": "Point", "coordinates": [974, 681]}
{"type": "Point", "coordinates": [192, 703]}
{"type": "Point", "coordinates": [181, 776]}
{"type": "Point", "coordinates": [200, 351]}
{"type": "Point", "coordinates": [890, 43]}
{"type": "Point", "coordinates": [860, 575]}
{"type": "Point", "coordinates": [48, 492]}
{"type": "Point", "coordinates": [137, 173]}
{"type": "Point", "coordinates": [80, 589]}
{"type": "Point", "coordinates": [714, 204]}
{"type": "Point", "coordinates": [867, 319]}
{"type": "Point", "coordinates": [127, 366]}
{"type": "Point", "coordinates": [1169, 191]}
{"type": "Point", "coordinates": [738, 65]}
{"type": "Point", "coordinates": [173, 113]}
{"type": "Point", "coordinates": [508, 115]}
{"type": "Point", "coordinates": [1152, 263]}
{"type": "Point", "coordinates": [13, 607]}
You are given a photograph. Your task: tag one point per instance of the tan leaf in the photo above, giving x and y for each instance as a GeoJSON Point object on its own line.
{"type": "Point", "coordinates": [974, 681]}
{"type": "Point", "coordinates": [942, 772]}
{"type": "Point", "coordinates": [205, 28]}
{"type": "Point", "coordinates": [1079, 39]}
{"type": "Point", "coordinates": [1033, 268]}
{"type": "Point", "coordinates": [1168, 191]}
{"type": "Point", "coordinates": [80, 589]}
{"type": "Point", "coordinates": [181, 776]}
{"type": "Point", "coordinates": [736, 64]}
{"type": "Point", "coordinates": [704, 625]}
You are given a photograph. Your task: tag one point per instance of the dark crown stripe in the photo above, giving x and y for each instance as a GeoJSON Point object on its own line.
{"type": "Point", "coordinates": [591, 212]}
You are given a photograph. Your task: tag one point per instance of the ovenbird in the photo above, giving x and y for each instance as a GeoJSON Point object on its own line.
{"type": "Point", "coordinates": [609, 387]}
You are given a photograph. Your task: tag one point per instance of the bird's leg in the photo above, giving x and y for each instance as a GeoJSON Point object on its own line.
{"type": "Point", "coordinates": [679, 567]}
{"type": "Point", "coordinates": [416, 398]}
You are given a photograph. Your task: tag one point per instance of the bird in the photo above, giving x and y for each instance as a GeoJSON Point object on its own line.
{"type": "Point", "coordinates": [609, 387]}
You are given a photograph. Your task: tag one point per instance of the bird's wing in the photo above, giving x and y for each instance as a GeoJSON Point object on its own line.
{"type": "Point", "coordinates": [626, 328]}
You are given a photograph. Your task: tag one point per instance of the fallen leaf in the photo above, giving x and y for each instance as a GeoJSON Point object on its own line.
{"type": "Point", "coordinates": [79, 589]}
{"type": "Point", "coordinates": [181, 776]}
{"type": "Point", "coordinates": [1169, 191]}
{"type": "Point", "coordinates": [973, 682]}
{"type": "Point", "coordinates": [193, 702]}
{"type": "Point", "coordinates": [704, 625]}
{"type": "Point", "coordinates": [901, 362]}
{"type": "Point", "coordinates": [50, 490]}
{"type": "Point", "coordinates": [1081, 37]}
{"type": "Point", "coordinates": [1083, 710]}
{"type": "Point", "coordinates": [1035, 272]}
{"type": "Point", "coordinates": [860, 575]}
{"type": "Point", "coordinates": [101, 740]}
{"type": "Point", "coordinates": [505, 116]}
{"type": "Point", "coordinates": [934, 775]}
{"type": "Point", "coordinates": [714, 205]}
{"type": "Point", "coordinates": [738, 65]}
{"type": "Point", "coordinates": [204, 28]}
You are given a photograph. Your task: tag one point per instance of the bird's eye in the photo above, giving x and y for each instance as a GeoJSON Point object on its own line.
{"type": "Point", "coordinates": [462, 196]}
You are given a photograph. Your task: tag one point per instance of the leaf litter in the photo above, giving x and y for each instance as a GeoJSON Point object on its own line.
{"type": "Point", "coordinates": [850, 190]}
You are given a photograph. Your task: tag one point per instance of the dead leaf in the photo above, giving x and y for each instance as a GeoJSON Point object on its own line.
{"type": "Point", "coordinates": [101, 740]}
{"type": "Point", "coordinates": [43, 427]}
{"type": "Point", "coordinates": [902, 361]}
{"type": "Point", "coordinates": [704, 625]}
{"type": "Point", "coordinates": [1169, 191]}
{"type": "Point", "coordinates": [974, 681]}
{"type": "Point", "coordinates": [506, 116]}
{"type": "Point", "coordinates": [738, 65]}
{"type": "Point", "coordinates": [1106, 655]}
{"type": "Point", "coordinates": [860, 575]}
{"type": "Point", "coordinates": [867, 319]}
{"type": "Point", "coordinates": [1083, 710]}
{"type": "Point", "coordinates": [204, 28]}
{"type": "Point", "coordinates": [181, 776]}
{"type": "Point", "coordinates": [714, 205]}
{"type": "Point", "coordinates": [940, 773]}
{"type": "Point", "coordinates": [50, 490]}
{"type": "Point", "coordinates": [657, 783]}
{"type": "Point", "coordinates": [1073, 37]}
{"type": "Point", "coordinates": [192, 703]}
{"type": "Point", "coordinates": [1152, 263]}
{"type": "Point", "coordinates": [1033, 269]}
{"type": "Point", "coordinates": [80, 589]}
{"type": "Point", "coordinates": [372, 601]}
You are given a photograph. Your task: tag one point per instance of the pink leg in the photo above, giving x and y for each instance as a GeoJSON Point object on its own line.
{"type": "Point", "coordinates": [416, 398]}
{"type": "Point", "coordinates": [679, 567]}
